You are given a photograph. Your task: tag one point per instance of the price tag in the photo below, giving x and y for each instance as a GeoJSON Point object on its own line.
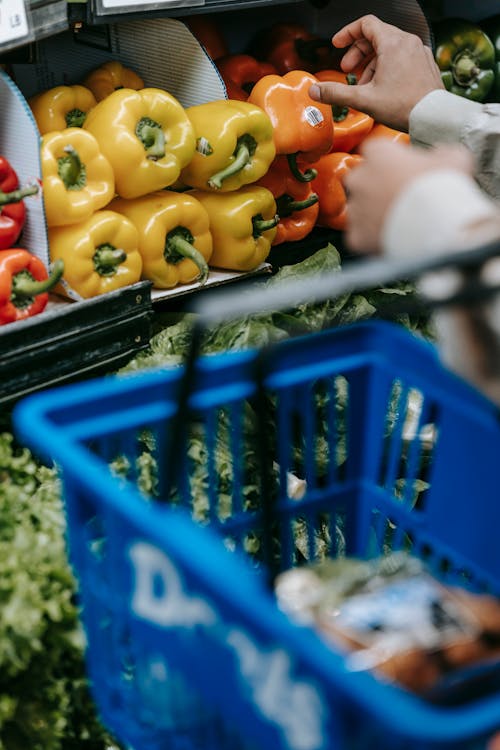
{"type": "Point", "coordinates": [13, 20]}
{"type": "Point", "coordinates": [134, 5]}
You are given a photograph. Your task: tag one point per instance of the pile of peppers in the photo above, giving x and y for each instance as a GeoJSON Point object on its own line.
{"type": "Point", "coordinates": [137, 186]}
{"type": "Point", "coordinates": [468, 55]}
{"type": "Point", "coordinates": [24, 280]}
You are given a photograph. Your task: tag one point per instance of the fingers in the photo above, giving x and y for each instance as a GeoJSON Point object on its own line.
{"type": "Point", "coordinates": [338, 93]}
{"type": "Point", "coordinates": [358, 54]}
{"type": "Point", "coordinates": [368, 28]}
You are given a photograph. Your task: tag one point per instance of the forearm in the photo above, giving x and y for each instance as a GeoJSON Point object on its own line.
{"type": "Point", "coordinates": [441, 117]}
{"type": "Point", "coordinates": [440, 211]}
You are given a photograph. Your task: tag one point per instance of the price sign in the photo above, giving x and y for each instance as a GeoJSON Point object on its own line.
{"type": "Point", "coordinates": [13, 20]}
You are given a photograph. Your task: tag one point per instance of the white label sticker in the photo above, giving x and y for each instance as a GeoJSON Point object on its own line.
{"type": "Point", "coordinates": [13, 20]}
{"type": "Point", "coordinates": [314, 116]}
{"type": "Point", "coordinates": [203, 147]}
{"type": "Point", "coordinates": [135, 4]}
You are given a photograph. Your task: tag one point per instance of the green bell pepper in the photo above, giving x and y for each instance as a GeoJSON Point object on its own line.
{"type": "Point", "coordinates": [491, 26]}
{"type": "Point", "coordinates": [466, 58]}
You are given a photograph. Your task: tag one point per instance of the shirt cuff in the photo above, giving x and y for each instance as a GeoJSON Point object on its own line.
{"type": "Point", "coordinates": [439, 118]}
{"type": "Point", "coordinates": [439, 211]}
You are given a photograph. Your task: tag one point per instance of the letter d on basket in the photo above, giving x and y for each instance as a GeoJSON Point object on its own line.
{"type": "Point", "coordinates": [158, 594]}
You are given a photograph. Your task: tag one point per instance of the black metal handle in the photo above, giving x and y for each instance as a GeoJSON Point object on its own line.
{"type": "Point", "coordinates": [356, 276]}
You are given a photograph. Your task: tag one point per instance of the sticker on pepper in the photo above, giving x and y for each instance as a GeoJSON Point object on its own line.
{"type": "Point", "coordinates": [241, 138]}
{"type": "Point", "coordinates": [302, 128]}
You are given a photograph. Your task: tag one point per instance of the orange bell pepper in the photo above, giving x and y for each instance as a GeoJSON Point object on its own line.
{"type": "Point", "coordinates": [328, 185]}
{"type": "Point", "coordinates": [303, 128]}
{"type": "Point", "coordinates": [209, 34]}
{"type": "Point", "coordinates": [350, 125]}
{"type": "Point", "coordinates": [241, 72]}
{"type": "Point", "coordinates": [383, 131]}
{"type": "Point", "coordinates": [296, 203]}
{"type": "Point", "coordinates": [290, 46]}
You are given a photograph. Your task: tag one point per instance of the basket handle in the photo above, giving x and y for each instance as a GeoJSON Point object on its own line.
{"type": "Point", "coordinates": [355, 276]}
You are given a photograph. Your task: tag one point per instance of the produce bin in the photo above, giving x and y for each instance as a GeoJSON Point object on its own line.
{"type": "Point", "coordinates": [71, 341]}
{"type": "Point", "coordinates": [187, 647]}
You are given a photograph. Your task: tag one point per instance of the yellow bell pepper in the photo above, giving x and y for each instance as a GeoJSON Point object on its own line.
{"type": "Point", "coordinates": [174, 236]}
{"type": "Point", "coordinates": [100, 254]}
{"type": "Point", "coordinates": [61, 107]}
{"type": "Point", "coordinates": [147, 137]}
{"type": "Point", "coordinates": [77, 178]}
{"type": "Point", "coordinates": [234, 145]}
{"type": "Point", "coordinates": [111, 76]}
{"type": "Point", "coordinates": [243, 226]}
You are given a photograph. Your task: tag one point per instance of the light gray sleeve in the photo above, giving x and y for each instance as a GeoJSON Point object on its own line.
{"type": "Point", "coordinates": [439, 212]}
{"type": "Point", "coordinates": [442, 117]}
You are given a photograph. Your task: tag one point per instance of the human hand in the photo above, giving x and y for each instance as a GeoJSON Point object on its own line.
{"type": "Point", "coordinates": [398, 70]}
{"type": "Point", "coordinates": [387, 168]}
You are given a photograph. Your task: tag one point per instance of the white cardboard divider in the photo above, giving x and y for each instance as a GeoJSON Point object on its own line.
{"type": "Point", "coordinates": [163, 51]}
{"type": "Point", "coordinates": [20, 144]}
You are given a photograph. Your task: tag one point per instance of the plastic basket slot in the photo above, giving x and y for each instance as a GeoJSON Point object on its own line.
{"type": "Point", "coordinates": [411, 436]}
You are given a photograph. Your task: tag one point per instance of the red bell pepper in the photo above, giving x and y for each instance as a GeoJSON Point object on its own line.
{"type": "Point", "coordinates": [290, 46]}
{"type": "Point", "coordinates": [209, 34]}
{"type": "Point", "coordinates": [241, 72]}
{"type": "Point", "coordinates": [296, 203]}
{"type": "Point", "coordinates": [12, 208]}
{"type": "Point", "coordinates": [328, 184]}
{"type": "Point", "coordinates": [24, 284]}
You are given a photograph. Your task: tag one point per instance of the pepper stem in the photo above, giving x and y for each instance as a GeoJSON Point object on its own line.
{"type": "Point", "coordinates": [261, 225]}
{"type": "Point", "coordinates": [71, 170]}
{"type": "Point", "coordinates": [75, 118]}
{"type": "Point", "coordinates": [465, 68]}
{"type": "Point", "coordinates": [17, 195]}
{"type": "Point", "coordinates": [152, 137]}
{"type": "Point", "coordinates": [179, 245]}
{"type": "Point", "coordinates": [25, 287]}
{"type": "Point", "coordinates": [107, 258]}
{"type": "Point", "coordinates": [306, 176]}
{"type": "Point", "coordinates": [338, 111]}
{"type": "Point", "coordinates": [287, 206]}
{"type": "Point", "coordinates": [245, 149]}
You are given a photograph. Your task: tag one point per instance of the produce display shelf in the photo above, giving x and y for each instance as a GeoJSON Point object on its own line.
{"type": "Point", "coordinates": [217, 277]}
{"type": "Point", "coordinates": [74, 340]}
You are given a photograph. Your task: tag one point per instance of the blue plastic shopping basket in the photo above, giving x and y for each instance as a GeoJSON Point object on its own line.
{"type": "Point", "coordinates": [186, 646]}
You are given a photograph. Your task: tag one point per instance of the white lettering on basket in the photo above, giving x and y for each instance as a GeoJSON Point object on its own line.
{"type": "Point", "coordinates": [170, 606]}
{"type": "Point", "coordinates": [295, 706]}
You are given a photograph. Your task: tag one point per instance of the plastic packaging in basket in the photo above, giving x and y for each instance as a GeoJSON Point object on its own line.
{"type": "Point", "coordinates": [186, 645]}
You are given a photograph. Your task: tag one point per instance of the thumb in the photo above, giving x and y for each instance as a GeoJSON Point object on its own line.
{"type": "Point", "coordinates": [339, 93]}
